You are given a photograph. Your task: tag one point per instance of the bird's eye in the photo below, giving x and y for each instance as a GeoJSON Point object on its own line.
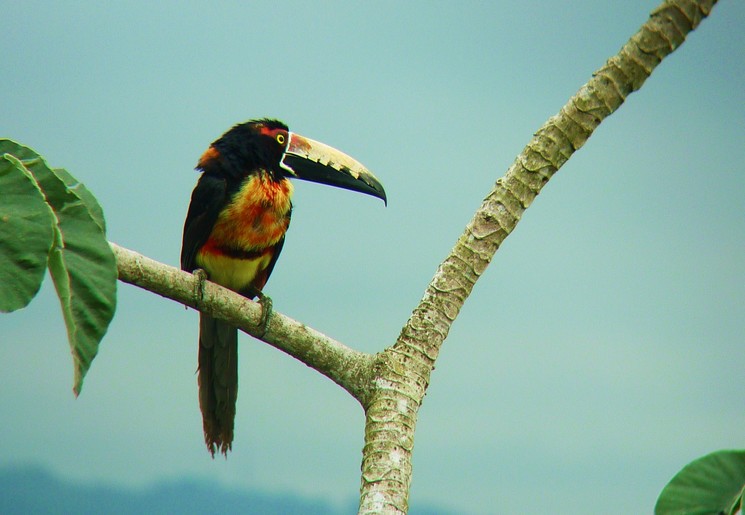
{"type": "Point", "coordinates": [280, 139]}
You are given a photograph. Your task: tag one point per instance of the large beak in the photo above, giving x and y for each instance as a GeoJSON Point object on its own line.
{"type": "Point", "coordinates": [314, 161]}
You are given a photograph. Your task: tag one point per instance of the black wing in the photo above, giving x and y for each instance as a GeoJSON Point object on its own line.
{"type": "Point", "coordinates": [208, 197]}
{"type": "Point", "coordinates": [278, 247]}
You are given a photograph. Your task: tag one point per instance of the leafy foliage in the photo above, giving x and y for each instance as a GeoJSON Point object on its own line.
{"type": "Point", "coordinates": [709, 485]}
{"type": "Point", "coordinates": [53, 220]}
{"type": "Point", "coordinates": [26, 235]}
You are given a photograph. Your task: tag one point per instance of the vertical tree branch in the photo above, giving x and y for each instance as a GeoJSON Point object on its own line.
{"type": "Point", "coordinates": [392, 384]}
{"type": "Point", "coordinates": [402, 372]}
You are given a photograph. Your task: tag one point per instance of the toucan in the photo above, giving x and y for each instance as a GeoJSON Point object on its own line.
{"type": "Point", "coordinates": [234, 231]}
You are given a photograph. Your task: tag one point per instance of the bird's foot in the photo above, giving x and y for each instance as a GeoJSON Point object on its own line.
{"type": "Point", "coordinates": [201, 277]}
{"type": "Point", "coordinates": [266, 311]}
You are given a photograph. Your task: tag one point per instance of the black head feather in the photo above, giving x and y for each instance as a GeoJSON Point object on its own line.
{"type": "Point", "coordinates": [244, 149]}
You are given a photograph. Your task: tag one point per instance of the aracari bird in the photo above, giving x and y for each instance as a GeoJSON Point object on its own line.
{"type": "Point", "coordinates": [234, 231]}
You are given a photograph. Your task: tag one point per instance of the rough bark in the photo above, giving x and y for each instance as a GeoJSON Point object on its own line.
{"type": "Point", "coordinates": [403, 371]}
{"type": "Point", "coordinates": [391, 385]}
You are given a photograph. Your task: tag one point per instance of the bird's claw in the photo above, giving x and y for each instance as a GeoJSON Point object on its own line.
{"type": "Point", "coordinates": [201, 277]}
{"type": "Point", "coordinates": [266, 311]}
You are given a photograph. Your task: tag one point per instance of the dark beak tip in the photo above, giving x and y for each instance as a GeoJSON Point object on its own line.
{"type": "Point", "coordinates": [377, 188]}
{"type": "Point", "coordinates": [379, 192]}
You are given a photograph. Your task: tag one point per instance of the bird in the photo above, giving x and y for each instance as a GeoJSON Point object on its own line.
{"type": "Point", "coordinates": [234, 231]}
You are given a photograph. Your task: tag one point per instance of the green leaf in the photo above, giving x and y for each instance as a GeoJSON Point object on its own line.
{"type": "Point", "coordinates": [27, 226]}
{"type": "Point", "coordinates": [84, 194]}
{"type": "Point", "coordinates": [709, 485]}
{"type": "Point", "coordinates": [81, 263]}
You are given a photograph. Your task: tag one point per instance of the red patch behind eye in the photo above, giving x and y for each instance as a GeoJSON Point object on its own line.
{"type": "Point", "coordinates": [272, 133]}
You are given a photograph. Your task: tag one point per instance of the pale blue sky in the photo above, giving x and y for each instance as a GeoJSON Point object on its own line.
{"type": "Point", "coordinates": [601, 351]}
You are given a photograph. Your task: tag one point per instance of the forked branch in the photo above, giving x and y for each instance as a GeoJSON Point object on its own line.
{"type": "Point", "coordinates": [391, 385]}
{"type": "Point", "coordinates": [403, 371]}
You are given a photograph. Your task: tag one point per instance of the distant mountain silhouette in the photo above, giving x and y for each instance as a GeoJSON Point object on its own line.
{"type": "Point", "coordinates": [28, 490]}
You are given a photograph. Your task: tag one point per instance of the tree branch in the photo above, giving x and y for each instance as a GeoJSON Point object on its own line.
{"type": "Point", "coordinates": [391, 385]}
{"type": "Point", "coordinates": [347, 367]}
{"type": "Point", "coordinates": [393, 407]}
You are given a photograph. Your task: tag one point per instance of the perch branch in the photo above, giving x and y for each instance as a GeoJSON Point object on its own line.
{"type": "Point", "coordinates": [347, 367]}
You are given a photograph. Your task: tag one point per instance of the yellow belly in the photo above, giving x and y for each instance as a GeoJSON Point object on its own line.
{"type": "Point", "coordinates": [233, 273]}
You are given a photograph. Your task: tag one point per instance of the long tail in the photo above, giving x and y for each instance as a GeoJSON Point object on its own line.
{"type": "Point", "coordinates": [218, 381]}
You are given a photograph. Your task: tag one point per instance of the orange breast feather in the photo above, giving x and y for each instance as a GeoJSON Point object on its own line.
{"type": "Point", "coordinates": [254, 221]}
{"type": "Point", "coordinates": [257, 217]}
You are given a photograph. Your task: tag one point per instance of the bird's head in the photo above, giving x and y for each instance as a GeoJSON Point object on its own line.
{"type": "Point", "coordinates": [270, 146]}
